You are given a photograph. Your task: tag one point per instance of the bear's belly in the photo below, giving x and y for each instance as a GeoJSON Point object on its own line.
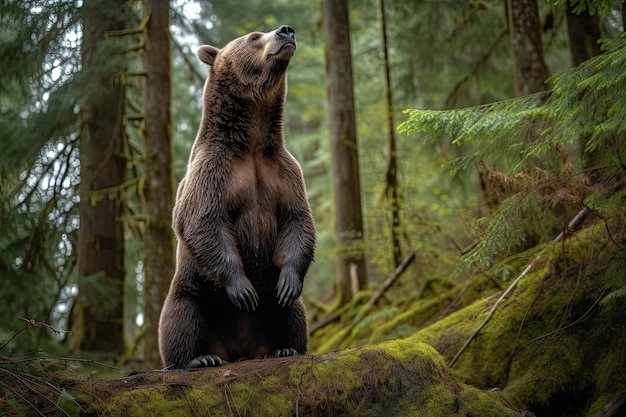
{"type": "Point", "coordinates": [246, 336]}
{"type": "Point", "coordinates": [256, 231]}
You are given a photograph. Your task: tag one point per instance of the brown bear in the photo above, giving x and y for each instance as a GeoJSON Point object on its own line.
{"type": "Point", "coordinates": [242, 220]}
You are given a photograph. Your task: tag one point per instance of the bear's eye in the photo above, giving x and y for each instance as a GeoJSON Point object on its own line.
{"type": "Point", "coordinates": [255, 37]}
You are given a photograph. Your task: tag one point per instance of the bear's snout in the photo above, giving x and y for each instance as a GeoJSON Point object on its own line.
{"type": "Point", "coordinates": [286, 31]}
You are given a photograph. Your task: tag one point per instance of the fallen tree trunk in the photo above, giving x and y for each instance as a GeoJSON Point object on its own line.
{"type": "Point", "coordinates": [400, 377]}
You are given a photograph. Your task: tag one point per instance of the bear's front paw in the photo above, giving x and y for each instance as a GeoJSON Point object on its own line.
{"type": "Point", "coordinates": [241, 293]}
{"type": "Point", "coordinates": [205, 361]}
{"type": "Point", "coordinates": [289, 287]}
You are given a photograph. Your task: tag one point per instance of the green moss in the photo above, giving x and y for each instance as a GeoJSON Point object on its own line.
{"type": "Point", "coordinates": [266, 397]}
{"type": "Point", "coordinates": [438, 400]}
{"type": "Point", "coordinates": [549, 344]}
{"type": "Point", "coordinates": [475, 402]}
{"type": "Point", "coordinates": [146, 402]}
{"type": "Point", "coordinates": [420, 312]}
{"type": "Point", "coordinates": [396, 378]}
{"type": "Point", "coordinates": [204, 397]}
{"type": "Point", "coordinates": [554, 367]}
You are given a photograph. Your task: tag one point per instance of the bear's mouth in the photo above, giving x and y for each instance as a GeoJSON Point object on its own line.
{"type": "Point", "coordinates": [285, 50]}
{"type": "Point", "coordinates": [290, 45]}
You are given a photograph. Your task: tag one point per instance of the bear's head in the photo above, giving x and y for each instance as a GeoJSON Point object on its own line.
{"type": "Point", "coordinates": [253, 65]}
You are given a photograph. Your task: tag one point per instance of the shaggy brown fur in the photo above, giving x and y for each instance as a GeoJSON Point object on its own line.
{"type": "Point", "coordinates": [244, 227]}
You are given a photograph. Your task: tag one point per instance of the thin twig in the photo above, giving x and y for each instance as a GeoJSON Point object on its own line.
{"type": "Point", "coordinates": [21, 397]}
{"type": "Point", "coordinates": [573, 224]}
{"type": "Point", "coordinates": [29, 324]}
{"type": "Point", "coordinates": [59, 358]}
{"type": "Point", "coordinates": [502, 297]}
{"type": "Point", "coordinates": [575, 322]}
{"type": "Point", "coordinates": [30, 382]}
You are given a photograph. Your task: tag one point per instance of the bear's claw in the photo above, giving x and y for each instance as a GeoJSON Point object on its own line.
{"type": "Point", "coordinates": [242, 294]}
{"type": "Point", "coordinates": [289, 288]}
{"type": "Point", "coordinates": [286, 352]}
{"type": "Point", "coordinates": [205, 361]}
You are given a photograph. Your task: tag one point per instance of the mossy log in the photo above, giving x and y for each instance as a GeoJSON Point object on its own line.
{"type": "Point", "coordinates": [396, 378]}
{"type": "Point", "coordinates": [557, 344]}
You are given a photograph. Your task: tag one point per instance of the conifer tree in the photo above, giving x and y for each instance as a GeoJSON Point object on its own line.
{"type": "Point", "coordinates": [39, 95]}
{"type": "Point", "coordinates": [97, 314]}
{"type": "Point", "coordinates": [498, 131]}
{"type": "Point", "coordinates": [529, 67]}
{"type": "Point", "coordinates": [158, 239]}
{"type": "Point", "coordinates": [346, 174]}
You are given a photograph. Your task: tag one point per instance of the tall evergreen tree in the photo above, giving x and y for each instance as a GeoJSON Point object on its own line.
{"type": "Point", "coordinates": [97, 315]}
{"type": "Point", "coordinates": [158, 239]}
{"type": "Point", "coordinates": [392, 188]}
{"type": "Point", "coordinates": [39, 95]}
{"type": "Point", "coordinates": [346, 174]}
{"type": "Point", "coordinates": [529, 66]}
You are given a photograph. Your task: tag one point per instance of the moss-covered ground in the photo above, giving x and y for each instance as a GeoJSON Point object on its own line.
{"type": "Point", "coordinates": [556, 345]}
{"type": "Point", "coordinates": [395, 378]}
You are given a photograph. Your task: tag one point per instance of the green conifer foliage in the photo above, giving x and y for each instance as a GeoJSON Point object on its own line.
{"type": "Point", "coordinates": [584, 101]}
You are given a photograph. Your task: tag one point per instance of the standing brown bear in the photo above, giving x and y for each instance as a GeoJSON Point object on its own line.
{"type": "Point", "coordinates": [244, 227]}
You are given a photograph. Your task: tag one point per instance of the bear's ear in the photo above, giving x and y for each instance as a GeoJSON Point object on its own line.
{"type": "Point", "coordinates": [207, 54]}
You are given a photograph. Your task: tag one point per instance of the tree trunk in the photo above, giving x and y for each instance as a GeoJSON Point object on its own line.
{"type": "Point", "coordinates": [529, 67]}
{"type": "Point", "coordinates": [158, 239]}
{"type": "Point", "coordinates": [529, 72]}
{"type": "Point", "coordinates": [391, 188]}
{"type": "Point", "coordinates": [583, 32]}
{"type": "Point", "coordinates": [97, 314]}
{"type": "Point", "coordinates": [344, 147]}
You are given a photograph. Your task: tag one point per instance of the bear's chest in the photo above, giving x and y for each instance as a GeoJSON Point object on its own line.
{"type": "Point", "coordinates": [254, 191]}
{"type": "Point", "coordinates": [254, 184]}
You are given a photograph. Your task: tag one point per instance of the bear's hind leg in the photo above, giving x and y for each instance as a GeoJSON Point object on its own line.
{"type": "Point", "coordinates": [184, 335]}
{"type": "Point", "coordinates": [291, 335]}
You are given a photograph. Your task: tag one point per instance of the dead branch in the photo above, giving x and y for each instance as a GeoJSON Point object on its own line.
{"type": "Point", "coordinates": [392, 278]}
{"type": "Point", "coordinates": [573, 224]}
{"type": "Point", "coordinates": [373, 299]}
{"type": "Point", "coordinates": [30, 323]}
{"type": "Point", "coordinates": [502, 297]}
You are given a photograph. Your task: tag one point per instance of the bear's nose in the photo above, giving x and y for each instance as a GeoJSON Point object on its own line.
{"type": "Point", "coordinates": [286, 31]}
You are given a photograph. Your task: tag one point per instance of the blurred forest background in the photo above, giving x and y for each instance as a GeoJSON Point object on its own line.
{"type": "Point", "coordinates": [517, 127]}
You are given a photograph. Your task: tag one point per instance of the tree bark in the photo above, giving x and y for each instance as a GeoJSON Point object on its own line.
{"type": "Point", "coordinates": [97, 314]}
{"type": "Point", "coordinates": [344, 147]}
{"type": "Point", "coordinates": [158, 190]}
{"type": "Point", "coordinates": [529, 71]}
{"type": "Point", "coordinates": [583, 32]}
{"type": "Point", "coordinates": [392, 190]}
{"type": "Point", "coordinates": [529, 67]}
